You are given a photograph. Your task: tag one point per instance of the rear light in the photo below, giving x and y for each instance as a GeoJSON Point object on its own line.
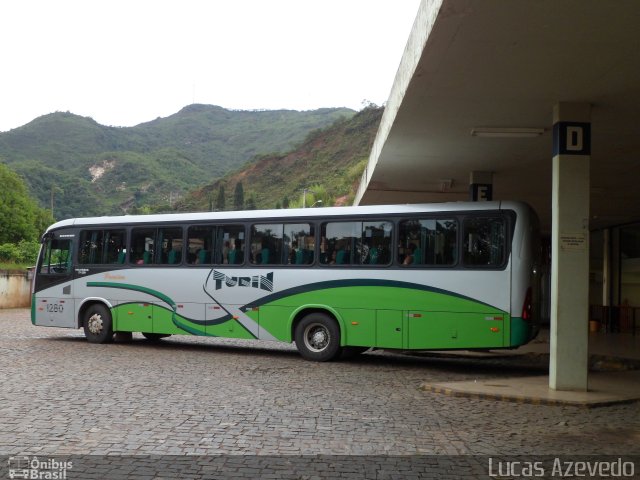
{"type": "Point", "coordinates": [527, 313]}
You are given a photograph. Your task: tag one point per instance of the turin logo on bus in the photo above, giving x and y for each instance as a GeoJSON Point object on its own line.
{"type": "Point", "coordinates": [263, 282]}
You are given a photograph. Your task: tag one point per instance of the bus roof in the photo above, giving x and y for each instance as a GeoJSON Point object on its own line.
{"type": "Point", "coordinates": [292, 213]}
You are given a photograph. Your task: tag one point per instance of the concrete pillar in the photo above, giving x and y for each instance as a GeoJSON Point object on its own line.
{"type": "Point", "coordinates": [570, 247]}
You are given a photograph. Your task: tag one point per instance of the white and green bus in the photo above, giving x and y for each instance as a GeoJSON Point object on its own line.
{"type": "Point", "coordinates": [334, 280]}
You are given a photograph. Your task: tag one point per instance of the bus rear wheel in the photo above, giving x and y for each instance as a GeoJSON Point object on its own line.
{"type": "Point", "coordinates": [317, 337]}
{"type": "Point", "coordinates": [98, 327]}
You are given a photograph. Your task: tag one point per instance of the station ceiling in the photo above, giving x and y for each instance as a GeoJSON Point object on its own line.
{"type": "Point", "coordinates": [505, 64]}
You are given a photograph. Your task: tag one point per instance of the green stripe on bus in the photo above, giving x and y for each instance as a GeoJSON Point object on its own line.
{"type": "Point", "coordinates": [166, 321]}
{"type": "Point", "coordinates": [357, 282]}
{"type": "Point", "coordinates": [137, 288]}
{"type": "Point", "coordinates": [388, 297]}
{"type": "Point", "coordinates": [226, 327]}
{"type": "Point", "coordinates": [394, 317]}
{"type": "Point", "coordinates": [370, 312]}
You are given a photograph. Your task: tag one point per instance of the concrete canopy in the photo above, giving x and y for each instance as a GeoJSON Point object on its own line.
{"type": "Point", "coordinates": [505, 64]}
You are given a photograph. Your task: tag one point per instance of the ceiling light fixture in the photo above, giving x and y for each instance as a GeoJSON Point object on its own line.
{"type": "Point", "coordinates": [506, 132]}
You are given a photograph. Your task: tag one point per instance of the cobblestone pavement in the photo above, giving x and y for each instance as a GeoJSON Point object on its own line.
{"type": "Point", "coordinates": [63, 396]}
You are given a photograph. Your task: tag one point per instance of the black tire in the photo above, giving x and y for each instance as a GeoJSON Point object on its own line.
{"type": "Point", "coordinates": [155, 337]}
{"type": "Point", "coordinates": [97, 323]}
{"type": "Point", "coordinates": [317, 337]}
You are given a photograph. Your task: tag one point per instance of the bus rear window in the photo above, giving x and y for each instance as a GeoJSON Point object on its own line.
{"type": "Point", "coordinates": [485, 240]}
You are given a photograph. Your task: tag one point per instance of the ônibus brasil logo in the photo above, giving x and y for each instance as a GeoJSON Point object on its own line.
{"type": "Point", "coordinates": [38, 468]}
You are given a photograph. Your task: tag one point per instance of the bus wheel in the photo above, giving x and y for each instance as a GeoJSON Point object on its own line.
{"type": "Point", "coordinates": [318, 337]}
{"type": "Point", "coordinates": [155, 337]}
{"type": "Point", "coordinates": [97, 324]}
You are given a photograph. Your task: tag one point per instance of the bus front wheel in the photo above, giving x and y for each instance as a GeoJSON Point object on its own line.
{"type": "Point", "coordinates": [97, 324]}
{"type": "Point", "coordinates": [317, 337]}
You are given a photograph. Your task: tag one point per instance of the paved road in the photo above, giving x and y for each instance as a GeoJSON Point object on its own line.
{"type": "Point", "coordinates": [63, 396]}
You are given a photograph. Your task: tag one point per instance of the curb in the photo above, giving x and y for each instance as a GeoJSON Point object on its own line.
{"type": "Point", "coordinates": [522, 400]}
{"type": "Point", "coordinates": [596, 362]}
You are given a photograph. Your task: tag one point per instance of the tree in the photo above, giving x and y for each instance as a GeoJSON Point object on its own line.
{"type": "Point", "coordinates": [285, 202]}
{"type": "Point", "coordinates": [313, 196]}
{"type": "Point", "coordinates": [251, 203]}
{"type": "Point", "coordinates": [42, 220]}
{"type": "Point", "coordinates": [220, 201]}
{"type": "Point", "coordinates": [20, 217]}
{"type": "Point", "coordinates": [238, 197]}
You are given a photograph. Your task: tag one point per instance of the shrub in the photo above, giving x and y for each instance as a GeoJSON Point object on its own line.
{"type": "Point", "coordinates": [8, 252]}
{"type": "Point", "coordinates": [24, 252]}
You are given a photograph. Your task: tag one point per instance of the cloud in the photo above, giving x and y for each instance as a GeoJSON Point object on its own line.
{"type": "Point", "coordinates": [124, 62]}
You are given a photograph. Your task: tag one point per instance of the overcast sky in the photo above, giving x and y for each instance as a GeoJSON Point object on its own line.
{"type": "Point", "coordinates": [123, 62]}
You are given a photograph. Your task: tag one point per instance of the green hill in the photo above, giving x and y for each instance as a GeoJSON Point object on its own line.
{"type": "Point", "coordinates": [92, 169]}
{"type": "Point", "coordinates": [330, 162]}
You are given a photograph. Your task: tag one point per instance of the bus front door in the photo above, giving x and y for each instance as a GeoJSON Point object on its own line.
{"type": "Point", "coordinates": [53, 287]}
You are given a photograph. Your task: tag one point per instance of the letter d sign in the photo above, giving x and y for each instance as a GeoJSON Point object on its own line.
{"type": "Point", "coordinates": [571, 138]}
{"type": "Point", "coordinates": [574, 139]}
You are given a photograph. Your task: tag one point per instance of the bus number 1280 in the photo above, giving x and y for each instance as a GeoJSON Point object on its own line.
{"type": "Point", "coordinates": [54, 307]}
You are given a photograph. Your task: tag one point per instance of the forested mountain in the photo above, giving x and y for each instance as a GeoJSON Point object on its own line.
{"type": "Point", "coordinates": [85, 168]}
{"type": "Point", "coordinates": [328, 164]}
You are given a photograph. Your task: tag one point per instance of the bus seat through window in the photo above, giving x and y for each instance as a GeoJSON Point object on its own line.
{"type": "Point", "coordinates": [173, 257]}
{"type": "Point", "coordinates": [203, 256]}
{"type": "Point", "coordinates": [373, 256]}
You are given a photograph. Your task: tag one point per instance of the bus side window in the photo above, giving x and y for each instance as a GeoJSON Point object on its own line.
{"type": "Point", "coordinates": [376, 243]}
{"type": "Point", "coordinates": [199, 244]}
{"type": "Point", "coordinates": [142, 246]}
{"type": "Point", "coordinates": [299, 244]}
{"type": "Point", "coordinates": [171, 243]}
{"type": "Point", "coordinates": [230, 245]}
{"type": "Point", "coordinates": [91, 247]}
{"type": "Point", "coordinates": [428, 241]}
{"type": "Point", "coordinates": [99, 247]}
{"type": "Point", "coordinates": [342, 243]}
{"type": "Point", "coordinates": [115, 246]}
{"type": "Point", "coordinates": [266, 244]}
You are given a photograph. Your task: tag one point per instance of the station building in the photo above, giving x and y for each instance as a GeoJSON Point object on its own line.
{"type": "Point", "coordinates": [535, 101]}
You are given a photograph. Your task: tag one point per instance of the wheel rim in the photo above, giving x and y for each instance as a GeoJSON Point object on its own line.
{"type": "Point", "coordinates": [316, 337]}
{"type": "Point", "coordinates": [95, 324]}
